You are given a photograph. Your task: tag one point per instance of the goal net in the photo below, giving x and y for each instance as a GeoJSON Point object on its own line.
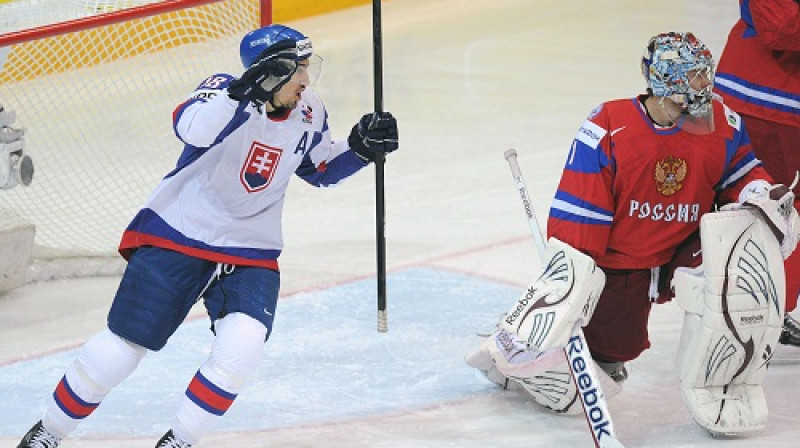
{"type": "Point", "coordinates": [94, 84]}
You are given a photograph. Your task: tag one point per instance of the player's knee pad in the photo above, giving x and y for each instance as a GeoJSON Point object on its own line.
{"type": "Point", "coordinates": [734, 308]}
{"type": "Point", "coordinates": [236, 352]}
{"type": "Point", "coordinates": [564, 295]}
{"type": "Point", "coordinates": [102, 363]}
{"type": "Point", "coordinates": [107, 359]}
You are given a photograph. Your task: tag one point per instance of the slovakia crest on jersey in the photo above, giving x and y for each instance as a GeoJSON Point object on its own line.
{"type": "Point", "coordinates": [259, 167]}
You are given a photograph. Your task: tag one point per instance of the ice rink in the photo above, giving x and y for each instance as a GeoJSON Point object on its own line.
{"type": "Point", "coordinates": [467, 81]}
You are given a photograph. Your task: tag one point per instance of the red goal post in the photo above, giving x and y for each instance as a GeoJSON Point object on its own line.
{"type": "Point", "coordinates": [115, 16]}
{"type": "Point", "coordinates": [94, 89]}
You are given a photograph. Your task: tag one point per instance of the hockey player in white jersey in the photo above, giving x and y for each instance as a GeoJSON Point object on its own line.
{"type": "Point", "coordinates": [212, 230]}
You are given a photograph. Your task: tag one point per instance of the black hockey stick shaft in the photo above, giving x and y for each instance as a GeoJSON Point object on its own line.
{"type": "Point", "coordinates": [380, 160]}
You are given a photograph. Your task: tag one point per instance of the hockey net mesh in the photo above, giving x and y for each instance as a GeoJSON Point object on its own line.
{"type": "Point", "coordinates": [97, 106]}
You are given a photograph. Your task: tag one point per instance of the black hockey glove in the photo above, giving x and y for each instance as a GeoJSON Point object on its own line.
{"type": "Point", "coordinates": [273, 68]}
{"type": "Point", "coordinates": [374, 132]}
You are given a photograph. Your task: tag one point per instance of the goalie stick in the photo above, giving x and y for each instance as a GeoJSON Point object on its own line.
{"type": "Point", "coordinates": [593, 400]}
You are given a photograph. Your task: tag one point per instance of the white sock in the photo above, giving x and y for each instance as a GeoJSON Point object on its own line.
{"type": "Point", "coordinates": [235, 355]}
{"type": "Point", "coordinates": [103, 362]}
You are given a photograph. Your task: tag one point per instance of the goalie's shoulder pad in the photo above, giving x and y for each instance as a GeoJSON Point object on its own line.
{"type": "Point", "coordinates": [564, 295]}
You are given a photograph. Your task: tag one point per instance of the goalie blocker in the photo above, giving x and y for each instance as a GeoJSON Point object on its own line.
{"type": "Point", "coordinates": [734, 304]}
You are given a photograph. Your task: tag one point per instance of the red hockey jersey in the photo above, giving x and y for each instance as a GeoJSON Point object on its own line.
{"type": "Point", "coordinates": [759, 72]}
{"type": "Point", "coordinates": [631, 192]}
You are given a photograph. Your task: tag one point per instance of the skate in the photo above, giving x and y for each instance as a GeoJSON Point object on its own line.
{"type": "Point", "coordinates": [38, 437]}
{"type": "Point", "coordinates": [170, 441]}
{"type": "Point", "coordinates": [615, 370]}
{"type": "Point", "coordinates": [791, 331]}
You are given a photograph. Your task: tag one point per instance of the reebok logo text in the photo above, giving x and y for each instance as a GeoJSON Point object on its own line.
{"type": "Point", "coordinates": [521, 305]}
{"type": "Point", "coordinates": [590, 393]}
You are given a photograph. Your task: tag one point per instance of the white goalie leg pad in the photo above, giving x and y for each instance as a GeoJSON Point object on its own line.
{"type": "Point", "coordinates": [511, 364]}
{"type": "Point", "coordinates": [480, 358]}
{"type": "Point", "coordinates": [565, 294]}
{"type": "Point", "coordinates": [550, 383]}
{"type": "Point", "coordinates": [734, 309]}
{"type": "Point", "coordinates": [548, 379]}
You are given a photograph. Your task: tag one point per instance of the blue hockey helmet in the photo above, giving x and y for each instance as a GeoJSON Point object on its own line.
{"type": "Point", "coordinates": [256, 41]}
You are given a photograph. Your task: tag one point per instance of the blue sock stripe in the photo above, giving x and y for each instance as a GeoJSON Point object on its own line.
{"type": "Point", "coordinates": [69, 402]}
{"type": "Point", "coordinates": [214, 388]}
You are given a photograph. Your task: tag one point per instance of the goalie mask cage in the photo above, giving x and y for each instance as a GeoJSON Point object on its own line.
{"type": "Point", "coordinates": [94, 84]}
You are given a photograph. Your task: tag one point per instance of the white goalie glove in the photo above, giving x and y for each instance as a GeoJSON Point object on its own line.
{"type": "Point", "coordinates": [16, 167]}
{"type": "Point", "coordinates": [776, 204]}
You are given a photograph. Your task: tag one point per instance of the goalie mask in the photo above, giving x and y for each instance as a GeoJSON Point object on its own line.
{"type": "Point", "coordinates": [679, 67]}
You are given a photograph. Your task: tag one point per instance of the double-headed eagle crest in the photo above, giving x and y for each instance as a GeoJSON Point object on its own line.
{"type": "Point", "coordinates": [669, 174]}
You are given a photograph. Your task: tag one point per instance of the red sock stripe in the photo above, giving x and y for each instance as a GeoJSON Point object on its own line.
{"type": "Point", "coordinates": [208, 396]}
{"type": "Point", "coordinates": [71, 403]}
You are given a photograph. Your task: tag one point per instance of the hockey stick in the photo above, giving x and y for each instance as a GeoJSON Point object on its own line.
{"type": "Point", "coordinates": [380, 159]}
{"type": "Point", "coordinates": [580, 362]}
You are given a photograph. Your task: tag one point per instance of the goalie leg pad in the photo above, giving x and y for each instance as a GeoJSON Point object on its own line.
{"type": "Point", "coordinates": [509, 363]}
{"type": "Point", "coordinates": [552, 385]}
{"type": "Point", "coordinates": [501, 355]}
{"type": "Point", "coordinates": [549, 382]}
{"type": "Point", "coordinates": [734, 309]}
{"type": "Point", "coordinates": [565, 294]}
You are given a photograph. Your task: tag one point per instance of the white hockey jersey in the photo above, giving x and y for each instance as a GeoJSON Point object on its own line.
{"type": "Point", "coordinates": [223, 201]}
